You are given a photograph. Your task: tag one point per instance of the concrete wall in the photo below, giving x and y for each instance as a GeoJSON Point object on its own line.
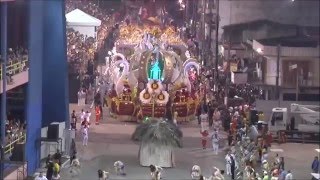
{"type": "Point", "coordinates": [283, 11]}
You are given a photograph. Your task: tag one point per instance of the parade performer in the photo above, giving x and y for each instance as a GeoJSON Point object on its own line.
{"type": "Point", "coordinates": [204, 137]}
{"type": "Point", "coordinates": [119, 168]}
{"type": "Point", "coordinates": [98, 114]}
{"type": "Point", "coordinates": [155, 172]}
{"type": "Point", "coordinates": [85, 135]}
{"type": "Point", "coordinates": [215, 142]}
{"type": "Point", "coordinates": [204, 121]}
{"type": "Point", "coordinates": [228, 163]}
{"type": "Point", "coordinates": [75, 166]}
{"type": "Point", "coordinates": [175, 117]}
{"type": "Point", "coordinates": [195, 172]}
{"type": "Point", "coordinates": [103, 175]}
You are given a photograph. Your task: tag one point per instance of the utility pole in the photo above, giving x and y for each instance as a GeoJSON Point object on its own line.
{"type": "Point", "coordinates": [4, 25]}
{"type": "Point", "coordinates": [216, 77]}
{"type": "Point", "coordinates": [226, 90]}
{"type": "Point", "coordinates": [278, 74]}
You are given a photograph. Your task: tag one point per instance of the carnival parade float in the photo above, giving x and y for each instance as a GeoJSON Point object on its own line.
{"type": "Point", "coordinates": [152, 75]}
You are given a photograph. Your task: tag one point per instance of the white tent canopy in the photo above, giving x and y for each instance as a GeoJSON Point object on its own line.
{"type": "Point", "coordinates": [80, 18]}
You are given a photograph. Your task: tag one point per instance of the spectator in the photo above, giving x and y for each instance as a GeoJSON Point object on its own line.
{"type": "Point", "coordinates": [315, 165]}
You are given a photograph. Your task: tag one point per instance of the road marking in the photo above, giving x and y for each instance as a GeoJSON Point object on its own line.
{"type": "Point", "coordinates": [276, 150]}
{"type": "Point", "coordinates": [318, 150]}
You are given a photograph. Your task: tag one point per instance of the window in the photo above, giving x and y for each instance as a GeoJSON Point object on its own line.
{"type": "Point", "coordinates": [276, 117]}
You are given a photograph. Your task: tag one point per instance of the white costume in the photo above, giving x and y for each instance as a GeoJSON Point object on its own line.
{"type": "Point", "coordinates": [79, 98]}
{"type": "Point", "coordinates": [105, 175]}
{"type": "Point", "coordinates": [82, 115]}
{"type": "Point", "coordinates": [215, 142]}
{"type": "Point", "coordinates": [156, 175]}
{"type": "Point", "coordinates": [75, 167]}
{"type": "Point", "coordinates": [87, 116]}
{"type": "Point", "coordinates": [204, 122]}
{"type": "Point", "coordinates": [195, 172]}
{"type": "Point", "coordinates": [41, 178]}
{"type": "Point", "coordinates": [289, 176]}
{"type": "Point", "coordinates": [85, 136]}
{"type": "Point", "coordinates": [228, 164]}
{"type": "Point", "coordinates": [119, 167]}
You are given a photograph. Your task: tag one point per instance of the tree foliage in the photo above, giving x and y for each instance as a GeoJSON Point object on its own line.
{"type": "Point", "coordinates": [160, 132]}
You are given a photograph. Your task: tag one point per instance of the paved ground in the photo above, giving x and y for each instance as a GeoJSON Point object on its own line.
{"type": "Point", "coordinates": [110, 141]}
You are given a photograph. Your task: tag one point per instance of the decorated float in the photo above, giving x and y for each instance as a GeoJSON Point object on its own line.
{"type": "Point", "coordinates": [152, 75]}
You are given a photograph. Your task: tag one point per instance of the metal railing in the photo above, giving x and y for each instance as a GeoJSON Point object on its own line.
{"type": "Point", "coordinates": [9, 147]}
{"type": "Point", "coordinates": [15, 67]}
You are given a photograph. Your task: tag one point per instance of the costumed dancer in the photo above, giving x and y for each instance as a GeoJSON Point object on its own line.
{"type": "Point", "coordinates": [195, 172]}
{"type": "Point", "coordinates": [87, 116]}
{"type": "Point", "coordinates": [75, 166]}
{"type": "Point", "coordinates": [204, 137]}
{"type": "Point", "coordinates": [85, 135]}
{"type": "Point", "coordinates": [175, 117]}
{"type": "Point", "coordinates": [119, 168]}
{"type": "Point", "coordinates": [155, 172]}
{"type": "Point", "coordinates": [228, 163]}
{"type": "Point", "coordinates": [103, 175]}
{"type": "Point", "coordinates": [98, 114]}
{"type": "Point", "coordinates": [215, 142]}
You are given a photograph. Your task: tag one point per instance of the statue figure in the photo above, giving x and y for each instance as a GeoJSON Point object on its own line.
{"type": "Point", "coordinates": [155, 67]}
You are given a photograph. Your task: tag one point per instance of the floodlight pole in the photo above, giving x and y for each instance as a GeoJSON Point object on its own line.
{"type": "Point", "coordinates": [4, 24]}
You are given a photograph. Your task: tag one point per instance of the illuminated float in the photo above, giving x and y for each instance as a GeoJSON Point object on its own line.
{"type": "Point", "coordinates": [152, 76]}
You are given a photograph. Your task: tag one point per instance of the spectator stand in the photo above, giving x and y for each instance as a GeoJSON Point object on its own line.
{"type": "Point", "coordinates": [9, 147]}
{"type": "Point", "coordinates": [16, 66]}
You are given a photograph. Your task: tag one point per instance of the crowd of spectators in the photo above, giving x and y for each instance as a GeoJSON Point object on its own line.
{"type": "Point", "coordinates": [17, 62]}
{"type": "Point", "coordinates": [15, 128]}
{"type": "Point", "coordinates": [82, 50]}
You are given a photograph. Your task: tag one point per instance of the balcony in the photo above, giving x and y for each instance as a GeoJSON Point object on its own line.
{"type": "Point", "coordinates": [18, 74]}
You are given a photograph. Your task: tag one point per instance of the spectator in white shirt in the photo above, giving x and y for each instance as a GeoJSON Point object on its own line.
{"type": "Point", "coordinates": [41, 177]}
{"type": "Point", "coordinates": [289, 176]}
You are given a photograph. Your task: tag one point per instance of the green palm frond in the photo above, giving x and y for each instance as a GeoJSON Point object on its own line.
{"type": "Point", "coordinates": [160, 132]}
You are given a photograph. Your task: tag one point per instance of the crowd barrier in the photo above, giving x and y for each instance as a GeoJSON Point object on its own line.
{"type": "Point", "coordinates": [15, 67]}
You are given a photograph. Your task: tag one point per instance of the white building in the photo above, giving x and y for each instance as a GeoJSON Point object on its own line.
{"type": "Point", "coordinates": [298, 69]}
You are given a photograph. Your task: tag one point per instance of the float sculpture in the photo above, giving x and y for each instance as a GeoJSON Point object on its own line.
{"type": "Point", "coordinates": [155, 79]}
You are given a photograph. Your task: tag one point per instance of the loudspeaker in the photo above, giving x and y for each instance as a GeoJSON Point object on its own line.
{"type": "Point", "coordinates": [53, 131]}
{"type": "Point", "coordinates": [18, 152]}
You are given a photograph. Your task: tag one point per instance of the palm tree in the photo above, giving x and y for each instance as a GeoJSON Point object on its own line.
{"type": "Point", "coordinates": [157, 138]}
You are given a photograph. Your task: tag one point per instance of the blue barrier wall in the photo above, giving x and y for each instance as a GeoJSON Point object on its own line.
{"type": "Point", "coordinates": [55, 69]}
{"type": "Point", "coordinates": [34, 91]}
{"type": "Point", "coordinates": [47, 89]}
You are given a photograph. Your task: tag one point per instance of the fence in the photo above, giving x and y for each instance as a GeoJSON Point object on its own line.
{"type": "Point", "coordinates": [15, 67]}
{"type": "Point", "coordinates": [9, 147]}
